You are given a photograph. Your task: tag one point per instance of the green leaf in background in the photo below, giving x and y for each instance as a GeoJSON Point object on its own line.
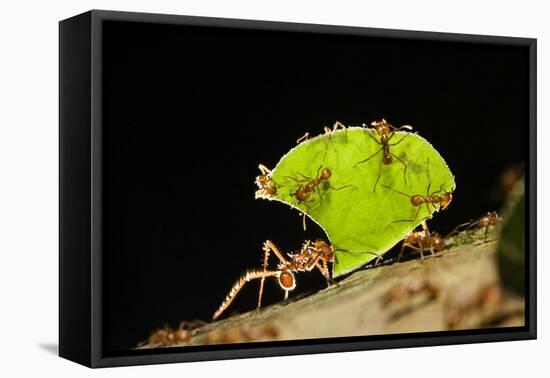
{"type": "Point", "coordinates": [360, 222]}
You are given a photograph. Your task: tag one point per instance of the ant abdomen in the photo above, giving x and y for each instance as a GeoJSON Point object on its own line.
{"type": "Point", "coordinates": [326, 174]}
{"type": "Point", "coordinates": [287, 280]}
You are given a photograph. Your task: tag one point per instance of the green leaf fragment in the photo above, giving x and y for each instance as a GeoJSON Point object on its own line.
{"type": "Point", "coordinates": [361, 222]}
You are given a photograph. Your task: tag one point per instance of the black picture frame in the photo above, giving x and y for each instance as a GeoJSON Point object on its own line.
{"type": "Point", "coordinates": [80, 238]}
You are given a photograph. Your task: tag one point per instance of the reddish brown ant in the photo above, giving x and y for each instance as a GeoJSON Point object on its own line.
{"type": "Point", "coordinates": [490, 219]}
{"type": "Point", "coordinates": [442, 201]}
{"type": "Point", "coordinates": [421, 240]}
{"type": "Point", "coordinates": [168, 336]}
{"type": "Point", "coordinates": [312, 255]}
{"type": "Point", "coordinates": [266, 187]}
{"type": "Point", "coordinates": [305, 191]}
{"type": "Point", "coordinates": [385, 132]}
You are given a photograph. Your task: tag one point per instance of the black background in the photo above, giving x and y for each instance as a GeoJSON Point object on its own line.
{"type": "Point", "coordinates": [189, 112]}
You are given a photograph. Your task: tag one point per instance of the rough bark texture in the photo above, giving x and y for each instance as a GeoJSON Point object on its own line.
{"type": "Point", "coordinates": [456, 289]}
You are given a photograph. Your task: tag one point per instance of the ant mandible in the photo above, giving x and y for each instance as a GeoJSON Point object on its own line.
{"type": "Point", "coordinates": [430, 199]}
{"type": "Point", "coordinates": [385, 132]}
{"type": "Point", "coordinates": [312, 255]}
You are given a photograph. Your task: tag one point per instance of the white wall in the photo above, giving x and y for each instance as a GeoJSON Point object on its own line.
{"type": "Point", "coordinates": [28, 184]}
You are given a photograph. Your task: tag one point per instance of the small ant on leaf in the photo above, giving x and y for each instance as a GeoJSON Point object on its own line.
{"type": "Point", "coordinates": [434, 199]}
{"type": "Point", "coordinates": [385, 132]}
{"type": "Point", "coordinates": [309, 185]}
{"type": "Point", "coordinates": [312, 255]}
{"type": "Point", "coordinates": [266, 187]}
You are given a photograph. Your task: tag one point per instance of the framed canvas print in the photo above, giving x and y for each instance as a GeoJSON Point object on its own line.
{"type": "Point", "coordinates": [233, 188]}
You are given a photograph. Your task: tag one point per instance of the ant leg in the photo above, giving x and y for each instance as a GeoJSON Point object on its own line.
{"type": "Point", "coordinates": [403, 245]}
{"type": "Point", "coordinates": [399, 141]}
{"type": "Point", "coordinates": [404, 164]}
{"type": "Point", "coordinates": [425, 227]}
{"type": "Point", "coordinates": [421, 250]}
{"type": "Point", "coordinates": [286, 295]}
{"type": "Point", "coordinates": [238, 285]}
{"type": "Point", "coordinates": [367, 159]}
{"type": "Point", "coordinates": [368, 131]}
{"type": "Point", "coordinates": [266, 250]}
{"type": "Point", "coordinates": [429, 177]}
{"type": "Point", "coordinates": [486, 232]}
{"type": "Point", "coordinates": [408, 220]}
{"type": "Point", "coordinates": [378, 177]}
{"type": "Point", "coordinates": [264, 170]}
{"type": "Point", "coordinates": [395, 190]}
{"type": "Point", "coordinates": [304, 221]}
{"type": "Point", "coordinates": [324, 271]}
{"type": "Point", "coordinates": [303, 138]}
{"type": "Point", "coordinates": [298, 180]}
{"type": "Point", "coordinates": [341, 187]}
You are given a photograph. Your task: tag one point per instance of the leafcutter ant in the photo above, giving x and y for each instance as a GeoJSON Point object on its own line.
{"type": "Point", "coordinates": [426, 240]}
{"type": "Point", "coordinates": [421, 240]}
{"type": "Point", "coordinates": [312, 255]}
{"type": "Point", "coordinates": [168, 336]}
{"type": "Point", "coordinates": [266, 187]}
{"type": "Point", "coordinates": [385, 132]}
{"type": "Point", "coordinates": [309, 185]}
{"type": "Point", "coordinates": [434, 199]}
{"type": "Point", "coordinates": [490, 219]}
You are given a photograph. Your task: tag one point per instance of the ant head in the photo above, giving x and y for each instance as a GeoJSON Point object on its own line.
{"type": "Point", "coordinates": [325, 249]}
{"type": "Point", "coordinates": [287, 280]}
{"type": "Point", "coordinates": [446, 200]}
{"type": "Point", "coordinates": [382, 127]}
{"type": "Point", "coordinates": [437, 242]}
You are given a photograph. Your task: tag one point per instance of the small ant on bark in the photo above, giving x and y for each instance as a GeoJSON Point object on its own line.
{"type": "Point", "coordinates": [312, 255]}
{"type": "Point", "coordinates": [435, 199]}
{"type": "Point", "coordinates": [421, 240]}
{"type": "Point", "coordinates": [168, 336]}
{"type": "Point", "coordinates": [490, 219]}
{"type": "Point", "coordinates": [266, 187]}
{"type": "Point", "coordinates": [426, 240]}
{"type": "Point", "coordinates": [385, 132]}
